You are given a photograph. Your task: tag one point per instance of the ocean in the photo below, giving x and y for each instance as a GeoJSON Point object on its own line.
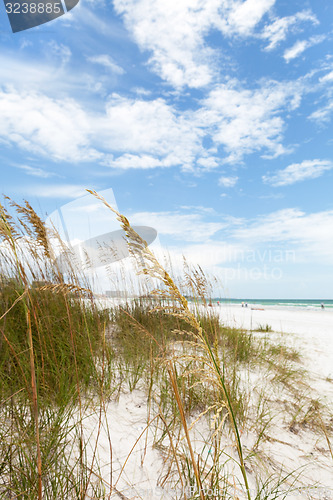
{"type": "Point", "coordinates": [292, 303]}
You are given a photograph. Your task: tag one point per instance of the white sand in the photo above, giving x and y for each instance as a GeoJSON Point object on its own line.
{"type": "Point", "coordinates": [312, 330]}
{"type": "Point", "coordinates": [311, 333]}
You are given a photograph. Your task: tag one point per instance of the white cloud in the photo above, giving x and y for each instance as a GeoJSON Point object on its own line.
{"type": "Point", "coordinates": [35, 171]}
{"type": "Point", "coordinates": [107, 62]}
{"type": "Point", "coordinates": [56, 191]}
{"type": "Point", "coordinates": [300, 46]}
{"type": "Point", "coordinates": [58, 50]}
{"type": "Point", "coordinates": [244, 121]}
{"type": "Point", "coordinates": [208, 255]}
{"type": "Point", "coordinates": [25, 43]}
{"type": "Point", "coordinates": [199, 208]}
{"type": "Point", "coordinates": [276, 32]}
{"type": "Point", "coordinates": [149, 133]}
{"type": "Point", "coordinates": [143, 161]}
{"type": "Point", "coordinates": [146, 134]}
{"type": "Point", "coordinates": [279, 239]}
{"type": "Point", "coordinates": [45, 126]}
{"type": "Point", "coordinates": [244, 16]}
{"type": "Point", "coordinates": [308, 234]}
{"type": "Point", "coordinates": [188, 227]}
{"type": "Point", "coordinates": [308, 169]}
{"type": "Point", "coordinates": [323, 115]}
{"type": "Point", "coordinates": [86, 17]}
{"type": "Point", "coordinates": [151, 125]}
{"type": "Point", "coordinates": [208, 162]}
{"type": "Point", "coordinates": [328, 78]}
{"type": "Point", "coordinates": [296, 50]}
{"type": "Point", "coordinates": [174, 32]}
{"type": "Point", "coordinates": [36, 76]}
{"type": "Point", "coordinates": [286, 236]}
{"type": "Point", "coordinates": [143, 133]}
{"type": "Point", "coordinates": [52, 76]}
{"type": "Point", "coordinates": [228, 181]}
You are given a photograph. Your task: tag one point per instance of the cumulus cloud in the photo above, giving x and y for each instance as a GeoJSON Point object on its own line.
{"type": "Point", "coordinates": [174, 33]}
{"type": "Point", "coordinates": [244, 121]}
{"type": "Point", "coordinates": [308, 169]}
{"type": "Point", "coordinates": [144, 133]}
{"type": "Point", "coordinates": [152, 125]}
{"type": "Point", "coordinates": [244, 16]}
{"type": "Point", "coordinates": [46, 126]}
{"type": "Point", "coordinates": [148, 133]}
{"type": "Point", "coordinates": [296, 50]}
{"type": "Point", "coordinates": [241, 121]}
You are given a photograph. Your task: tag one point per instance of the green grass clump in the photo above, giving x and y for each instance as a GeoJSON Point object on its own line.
{"type": "Point", "coordinates": [66, 335]}
{"type": "Point", "coordinates": [50, 332]}
{"type": "Point", "coordinates": [263, 328]}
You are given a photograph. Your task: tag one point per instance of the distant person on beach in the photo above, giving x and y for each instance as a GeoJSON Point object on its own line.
{"type": "Point", "coordinates": [322, 305]}
{"type": "Point", "coordinates": [242, 304]}
{"type": "Point", "coordinates": [245, 304]}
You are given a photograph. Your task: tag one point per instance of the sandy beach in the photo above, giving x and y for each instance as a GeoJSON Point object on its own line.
{"type": "Point", "coordinates": [310, 331]}
{"type": "Point", "coordinates": [286, 448]}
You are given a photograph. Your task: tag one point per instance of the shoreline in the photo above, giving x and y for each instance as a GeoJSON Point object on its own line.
{"type": "Point", "coordinates": [309, 331]}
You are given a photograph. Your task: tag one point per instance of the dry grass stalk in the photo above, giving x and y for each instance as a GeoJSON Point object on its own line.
{"type": "Point", "coordinates": [173, 379]}
{"type": "Point", "coordinates": [151, 267]}
{"type": "Point", "coordinates": [35, 406]}
{"type": "Point", "coordinates": [14, 303]}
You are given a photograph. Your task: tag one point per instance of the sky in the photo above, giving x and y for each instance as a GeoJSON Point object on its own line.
{"type": "Point", "coordinates": [211, 120]}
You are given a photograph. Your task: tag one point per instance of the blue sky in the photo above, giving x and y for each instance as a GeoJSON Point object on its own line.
{"type": "Point", "coordinates": [210, 120]}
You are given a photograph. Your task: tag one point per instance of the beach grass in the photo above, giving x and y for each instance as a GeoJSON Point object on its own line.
{"type": "Point", "coordinates": [63, 359]}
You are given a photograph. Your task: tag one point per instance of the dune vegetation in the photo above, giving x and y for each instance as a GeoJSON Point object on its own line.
{"type": "Point", "coordinates": [213, 395]}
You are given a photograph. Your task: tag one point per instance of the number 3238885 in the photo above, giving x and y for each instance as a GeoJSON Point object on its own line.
{"type": "Point", "coordinates": [33, 8]}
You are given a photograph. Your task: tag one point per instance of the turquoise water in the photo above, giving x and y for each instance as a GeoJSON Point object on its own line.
{"type": "Point", "coordinates": [297, 303]}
